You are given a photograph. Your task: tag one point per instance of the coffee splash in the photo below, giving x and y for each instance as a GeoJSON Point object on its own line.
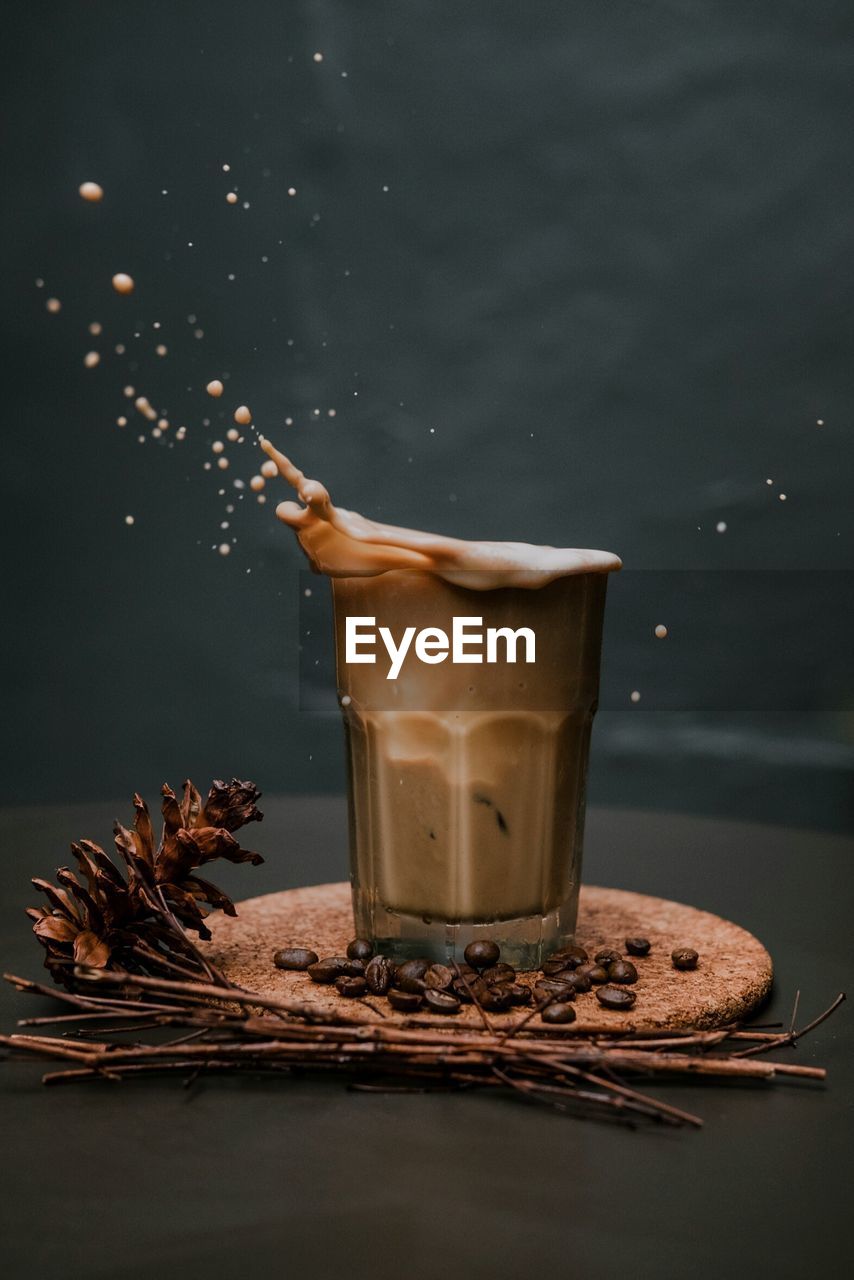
{"type": "Point", "coordinates": [344, 544]}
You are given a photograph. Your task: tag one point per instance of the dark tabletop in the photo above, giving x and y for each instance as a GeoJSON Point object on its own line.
{"type": "Point", "coordinates": [254, 1177]}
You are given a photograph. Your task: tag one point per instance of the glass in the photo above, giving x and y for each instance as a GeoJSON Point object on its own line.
{"type": "Point", "coordinates": [467, 782]}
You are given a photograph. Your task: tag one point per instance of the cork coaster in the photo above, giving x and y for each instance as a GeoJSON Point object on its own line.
{"type": "Point", "coordinates": [733, 977]}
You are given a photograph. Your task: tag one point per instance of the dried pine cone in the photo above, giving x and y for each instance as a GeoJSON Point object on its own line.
{"type": "Point", "coordinates": [138, 923]}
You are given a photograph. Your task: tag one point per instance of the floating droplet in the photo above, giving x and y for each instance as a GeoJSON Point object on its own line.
{"type": "Point", "coordinates": [661, 631]}
{"type": "Point", "coordinates": [122, 282]}
{"type": "Point", "coordinates": [243, 415]}
{"type": "Point", "coordinates": [91, 191]}
{"type": "Point", "coordinates": [92, 358]}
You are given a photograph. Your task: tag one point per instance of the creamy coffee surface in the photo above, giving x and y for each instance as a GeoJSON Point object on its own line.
{"type": "Point", "coordinates": [343, 543]}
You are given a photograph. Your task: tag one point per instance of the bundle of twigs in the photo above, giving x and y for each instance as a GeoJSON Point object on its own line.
{"type": "Point", "coordinates": [196, 1027]}
{"type": "Point", "coordinates": [117, 935]}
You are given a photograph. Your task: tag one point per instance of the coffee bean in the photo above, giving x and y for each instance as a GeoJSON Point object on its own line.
{"type": "Point", "coordinates": [597, 973]}
{"type": "Point", "coordinates": [622, 971]}
{"type": "Point", "coordinates": [410, 975]}
{"type": "Point", "coordinates": [404, 1001]}
{"type": "Point", "coordinates": [684, 958]}
{"type": "Point", "coordinates": [499, 973]}
{"type": "Point", "coordinates": [407, 983]}
{"type": "Point", "coordinates": [482, 954]}
{"type": "Point", "coordinates": [615, 997]}
{"type": "Point", "coordinates": [324, 971]}
{"type": "Point", "coordinates": [441, 1001]}
{"type": "Point", "coordinates": [360, 949]}
{"type": "Point", "coordinates": [553, 966]}
{"type": "Point", "coordinates": [351, 987]}
{"type": "Point", "coordinates": [638, 946]}
{"type": "Point", "coordinates": [378, 975]}
{"type": "Point", "coordinates": [294, 958]}
{"type": "Point", "coordinates": [347, 968]}
{"type": "Point", "coordinates": [461, 991]}
{"type": "Point", "coordinates": [579, 981]}
{"type": "Point", "coordinates": [466, 970]}
{"type": "Point", "coordinates": [497, 998]}
{"type": "Point", "coordinates": [548, 987]}
{"type": "Point", "coordinates": [519, 994]}
{"type": "Point", "coordinates": [571, 956]}
{"type": "Point", "coordinates": [607, 957]}
{"type": "Point", "coordinates": [438, 977]}
{"type": "Point", "coordinates": [558, 1013]}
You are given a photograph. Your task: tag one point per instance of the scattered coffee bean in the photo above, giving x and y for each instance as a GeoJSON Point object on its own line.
{"type": "Point", "coordinates": [438, 977]}
{"type": "Point", "coordinates": [410, 975]}
{"type": "Point", "coordinates": [519, 993]}
{"type": "Point", "coordinates": [324, 971]}
{"type": "Point", "coordinates": [441, 1001]}
{"type": "Point", "coordinates": [684, 958]}
{"type": "Point", "coordinates": [499, 973]}
{"type": "Point", "coordinates": [461, 991]}
{"type": "Point", "coordinates": [378, 975]}
{"type": "Point", "coordinates": [404, 1001]}
{"type": "Point", "coordinates": [555, 966]}
{"type": "Point", "coordinates": [360, 949]}
{"type": "Point", "coordinates": [351, 987]}
{"type": "Point", "coordinates": [294, 958]}
{"type": "Point", "coordinates": [466, 970]}
{"type": "Point", "coordinates": [546, 988]}
{"type": "Point", "coordinates": [347, 968]}
{"type": "Point", "coordinates": [571, 956]}
{"type": "Point", "coordinates": [558, 1013]}
{"type": "Point", "coordinates": [615, 997]}
{"type": "Point", "coordinates": [482, 954]}
{"type": "Point", "coordinates": [497, 998]}
{"type": "Point", "coordinates": [407, 980]}
{"type": "Point", "coordinates": [595, 972]}
{"type": "Point", "coordinates": [622, 971]}
{"type": "Point", "coordinates": [638, 946]}
{"type": "Point", "coordinates": [607, 957]}
{"type": "Point", "coordinates": [577, 980]}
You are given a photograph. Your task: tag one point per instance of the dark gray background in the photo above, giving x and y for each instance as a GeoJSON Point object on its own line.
{"type": "Point", "coordinates": [605, 296]}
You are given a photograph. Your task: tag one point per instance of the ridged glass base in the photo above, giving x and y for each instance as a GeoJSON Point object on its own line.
{"type": "Point", "coordinates": [525, 942]}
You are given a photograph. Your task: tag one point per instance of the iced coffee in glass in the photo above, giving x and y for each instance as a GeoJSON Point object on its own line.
{"type": "Point", "coordinates": [468, 678]}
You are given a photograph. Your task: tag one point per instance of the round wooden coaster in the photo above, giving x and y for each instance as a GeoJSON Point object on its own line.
{"type": "Point", "coordinates": [733, 977]}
